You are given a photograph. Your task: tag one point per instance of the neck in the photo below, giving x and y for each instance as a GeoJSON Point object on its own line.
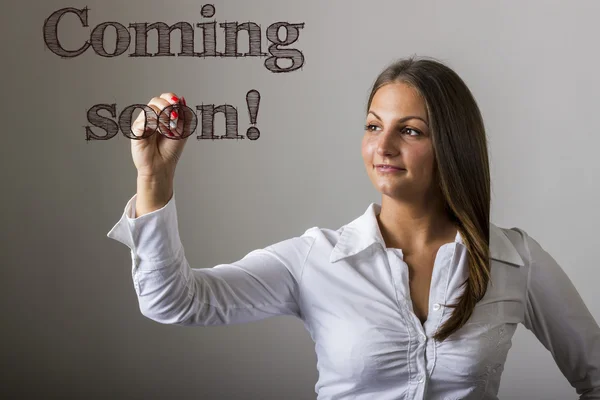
{"type": "Point", "coordinates": [414, 227]}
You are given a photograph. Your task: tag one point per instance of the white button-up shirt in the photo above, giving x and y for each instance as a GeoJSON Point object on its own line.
{"type": "Point", "coordinates": [352, 293]}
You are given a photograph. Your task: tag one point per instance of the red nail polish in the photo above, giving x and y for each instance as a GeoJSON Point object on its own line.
{"type": "Point", "coordinates": [183, 101]}
{"type": "Point", "coordinates": [175, 99]}
{"type": "Point", "coordinates": [174, 114]}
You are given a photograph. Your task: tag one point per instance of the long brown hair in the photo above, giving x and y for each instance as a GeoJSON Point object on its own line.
{"type": "Point", "coordinates": [462, 166]}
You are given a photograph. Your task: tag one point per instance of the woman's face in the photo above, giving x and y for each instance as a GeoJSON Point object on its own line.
{"type": "Point", "coordinates": [394, 135]}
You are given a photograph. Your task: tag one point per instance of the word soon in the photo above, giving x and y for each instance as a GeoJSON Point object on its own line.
{"type": "Point", "coordinates": [231, 30]}
{"type": "Point", "coordinates": [208, 112]}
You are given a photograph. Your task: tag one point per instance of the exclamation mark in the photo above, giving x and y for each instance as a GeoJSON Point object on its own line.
{"type": "Point", "coordinates": [253, 101]}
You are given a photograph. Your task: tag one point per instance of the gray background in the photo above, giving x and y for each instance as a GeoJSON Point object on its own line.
{"type": "Point", "coordinates": [71, 323]}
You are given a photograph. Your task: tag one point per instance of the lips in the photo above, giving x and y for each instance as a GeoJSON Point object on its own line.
{"type": "Point", "coordinates": [390, 167]}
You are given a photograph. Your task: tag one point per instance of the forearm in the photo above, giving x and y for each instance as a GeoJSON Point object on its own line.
{"type": "Point", "coordinates": [153, 193]}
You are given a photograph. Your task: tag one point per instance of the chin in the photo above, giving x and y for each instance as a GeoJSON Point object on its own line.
{"type": "Point", "coordinates": [387, 190]}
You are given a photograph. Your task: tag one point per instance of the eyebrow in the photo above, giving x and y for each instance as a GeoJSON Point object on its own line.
{"type": "Point", "coordinates": [403, 118]}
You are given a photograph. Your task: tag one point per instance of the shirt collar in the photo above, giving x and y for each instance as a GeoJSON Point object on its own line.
{"type": "Point", "coordinates": [363, 232]}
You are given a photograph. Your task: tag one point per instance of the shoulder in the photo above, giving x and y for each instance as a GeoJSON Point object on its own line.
{"type": "Point", "coordinates": [528, 247]}
{"type": "Point", "coordinates": [516, 238]}
{"type": "Point", "coordinates": [300, 246]}
{"type": "Point", "coordinates": [328, 235]}
{"type": "Point", "coordinates": [537, 259]}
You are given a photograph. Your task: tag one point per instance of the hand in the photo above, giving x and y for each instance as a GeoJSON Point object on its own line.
{"type": "Point", "coordinates": [156, 156]}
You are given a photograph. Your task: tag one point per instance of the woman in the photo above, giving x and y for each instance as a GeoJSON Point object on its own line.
{"type": "Point", "coordinates": [419, 297]}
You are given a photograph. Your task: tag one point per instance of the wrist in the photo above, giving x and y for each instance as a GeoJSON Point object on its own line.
{"type": "Point", "coordinates": [152, 194]}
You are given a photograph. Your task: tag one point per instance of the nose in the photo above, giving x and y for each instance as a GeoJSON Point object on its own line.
{"type": "Point", "coordinates": [386, 144]}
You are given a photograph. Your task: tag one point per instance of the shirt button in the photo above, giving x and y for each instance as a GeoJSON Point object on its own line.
{"type": "Point", "coordinates": [423, 337]}
{"type": "Point", "coordinates": [420, 380]}
{"type": "Point", "coordinates": [436, 306]}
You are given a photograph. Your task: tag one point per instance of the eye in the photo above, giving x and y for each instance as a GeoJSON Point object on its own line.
{"type": "Point", "coordinates": [414, 130]}
{"type": "Point", "coordinates": [368, 128]}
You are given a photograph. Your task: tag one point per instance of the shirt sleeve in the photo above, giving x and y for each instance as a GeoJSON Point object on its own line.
{"type": "Point", "coordinates": [263, 283]}
{"type": "Point", "coordinates": [558, 317]}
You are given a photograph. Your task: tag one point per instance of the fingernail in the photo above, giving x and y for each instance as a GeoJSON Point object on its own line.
{"type": "Point", "coordinates": [183, 101]}
{"type": "Point", "coordinates": [174, 99]}
{"type": "Point", "coordinates": [173, 120]}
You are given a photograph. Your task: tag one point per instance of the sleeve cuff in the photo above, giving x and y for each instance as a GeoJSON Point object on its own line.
{"type": "Point", "coordinates": [153, 237]}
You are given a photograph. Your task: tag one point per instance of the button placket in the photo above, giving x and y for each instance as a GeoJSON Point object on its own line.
{"type": "Point", "coordinates": [397, 269]}
{"type": "Point", "coordinates": [439, 289]}
{"type": "Point", "coordinates": [416, 350]}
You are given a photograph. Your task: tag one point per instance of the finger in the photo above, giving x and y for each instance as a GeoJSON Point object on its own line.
{"type": "Point", "coordinates": [172, 98]}
{"type": "Point", "coordinates": [175, 101]}
{"type": "Point", "coordinates": [148, 122]}
{"type": "Point", "coordinates": [169, 114]}
{"type": "Point", "coordinates": [164, 109]}
{"type": "Point", "coordinates": [186, 117]}
{"type": "Point", "coordinates": [145, 122]}
{"type": "Point", "coordinates": [163, 123]}
{"type": "Point", "coordinates": [146, 119]}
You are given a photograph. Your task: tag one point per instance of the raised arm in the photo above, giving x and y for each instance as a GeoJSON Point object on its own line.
{"type": "Point", "coordinates": [559, 318]}
{"type": "Point", "coordinates": [264, 283]}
